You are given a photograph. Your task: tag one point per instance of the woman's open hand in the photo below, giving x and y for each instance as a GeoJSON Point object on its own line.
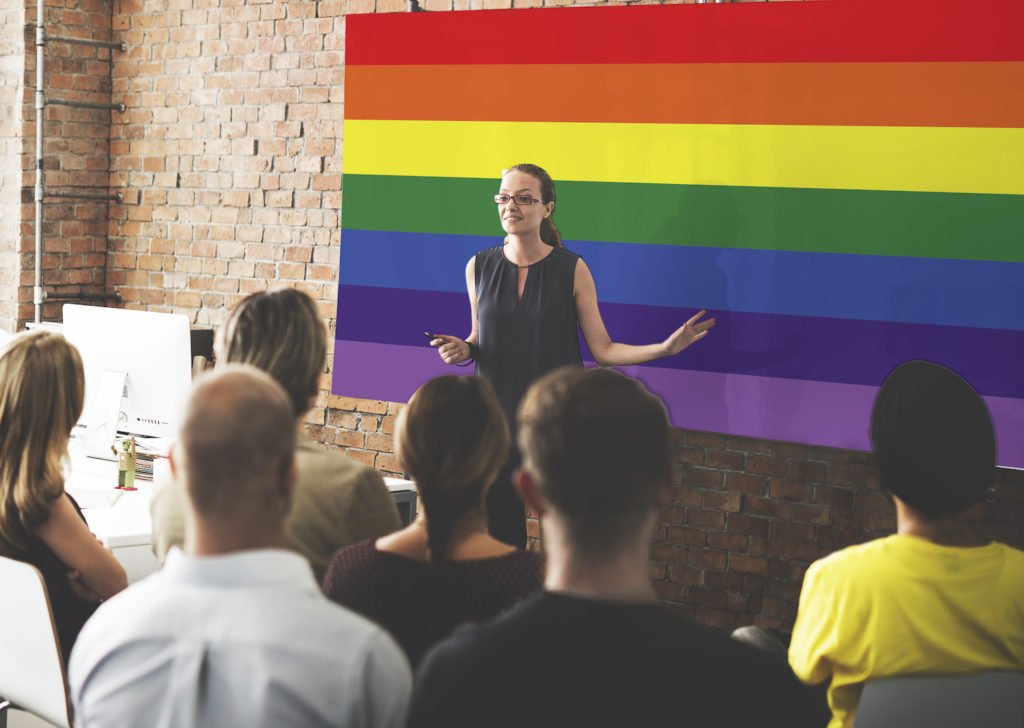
{"type": "Point", "coordinates": [452, 349]}
{"type": "Point", "coordinates": [693, 330]}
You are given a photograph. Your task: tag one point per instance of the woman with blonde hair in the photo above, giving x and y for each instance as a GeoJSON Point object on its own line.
{"type": "Point", "coordinates": [42, 391]}
{"type": "Point", "coordinates": [445, 568]}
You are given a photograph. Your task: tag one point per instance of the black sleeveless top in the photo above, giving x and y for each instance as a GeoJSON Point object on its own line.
{"type": "Point", "coordinates": [521, 340]}
{"type": "Point", "coordinates": [69, 612]}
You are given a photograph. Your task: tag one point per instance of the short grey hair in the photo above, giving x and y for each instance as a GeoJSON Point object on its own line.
{"type": "Point", "coordinates": [238, 426]}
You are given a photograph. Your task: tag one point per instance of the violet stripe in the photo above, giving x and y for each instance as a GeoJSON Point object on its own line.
{"type": "Point", "coordinates": [846, 351]}
{"type": "Point", "coordinates": [808, 412]}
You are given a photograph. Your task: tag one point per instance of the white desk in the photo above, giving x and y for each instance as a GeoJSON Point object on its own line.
{"type": "Point", "coordinates": [126, 528]}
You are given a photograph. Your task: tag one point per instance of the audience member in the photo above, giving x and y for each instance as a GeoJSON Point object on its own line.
{"type": "Point", "coordinates": [42, 389]}
{"type": "Point", "coordinates": [337, 501]}
{"type": "Point", "coordinates": [595, 648]}
{"type": "Point", "coordinates": [444, 569]}
{"type": "Point", "coordinates": [234, 630]}
{"type": "Point", "coordinates": [937, 597]}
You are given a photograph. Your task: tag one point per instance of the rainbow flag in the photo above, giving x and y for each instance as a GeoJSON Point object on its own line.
{"type": "Point", "coordinates": [841, 184]}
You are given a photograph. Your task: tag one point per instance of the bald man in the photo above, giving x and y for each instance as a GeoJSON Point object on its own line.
{"type": "Point", "coordinates": [234, 629]}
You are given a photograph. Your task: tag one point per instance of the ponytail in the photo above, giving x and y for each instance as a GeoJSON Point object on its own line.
{"type": "Point", "coordinates": [451, 439]}
{"type": "Point", "coordinates": [549, 233]}
{"type": "Point", "coordinates": [443, 510]}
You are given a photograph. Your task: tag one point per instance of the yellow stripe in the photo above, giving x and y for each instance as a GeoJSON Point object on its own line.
{"type": "Point", "coordinates": [928, 159]}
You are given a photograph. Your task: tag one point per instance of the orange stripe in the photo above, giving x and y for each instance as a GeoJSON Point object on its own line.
{"type": "Point", "coordinates": [979, 94]}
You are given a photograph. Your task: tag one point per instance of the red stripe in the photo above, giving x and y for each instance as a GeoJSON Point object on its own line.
{"type": "Point", "coordinates": [825, 31]}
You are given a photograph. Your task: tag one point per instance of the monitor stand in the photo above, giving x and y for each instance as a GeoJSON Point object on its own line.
{"type": "Point", "coordinates": [102, 421]}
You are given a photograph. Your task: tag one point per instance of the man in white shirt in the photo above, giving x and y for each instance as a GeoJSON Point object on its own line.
{"type": "Point", "coordinates": [234, 630]}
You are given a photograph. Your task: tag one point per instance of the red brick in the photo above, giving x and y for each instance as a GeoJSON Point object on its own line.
{"type": "Point", "coordinates": [706, 597]}
{"type": "Point", "coordinates": [766, 465]}
{"type": "Point", "coordinates": [707, 559]}
{"type": "Point", "coordinates": [842, 498]}
{"type": "Point", "coordinates": [786, 531]}
{"type": "Point", "coordinates": [722, 501]}
{"type": "Point", "coordinates": [680, 574]}
{"type": "Point", "coordinates": [667, 552]}
{"type": "Point", "coordinates": [686, 536]}
{"type": "Point", "coordinates": [790, 491]}
{"type": "Point", "coordinates": [684, 496]}
{"type": "Point", "coordinates": [712, 520]}
{"type": "Point", "coordinates": [748, 565]}
{"type": "Point", "coordinates": [748, 444]}
{"type": "Point", "coordinates": [702, 478]}
{"type": "Point", "coordinates": [688, 455]}
{"type": "Point", "coordinates": [725, 581]}
{"type": "Point", "coordinates": [769, 507]}
{"type": "Point", "coordinates": [724, 459]}
{"type": "Point", "coordinates": [744, 483]}
{"type": "Point", "coordinates": [742, 523]}
{"type": "Point", "coordinates": [704, 439]}
{"type": "Point", "coordinates": [728, 541]}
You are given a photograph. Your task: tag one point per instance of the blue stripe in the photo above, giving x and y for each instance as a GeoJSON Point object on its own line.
{"type": "Point", "coordinates": [971, 293]}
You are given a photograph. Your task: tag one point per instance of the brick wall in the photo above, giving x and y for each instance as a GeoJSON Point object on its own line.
{"type": "Point", "coordinates": [749, 516]}
{"type": "Point", "coordinates": [229, 160]}
{"type": "Point", "coordinates": [75, 158]}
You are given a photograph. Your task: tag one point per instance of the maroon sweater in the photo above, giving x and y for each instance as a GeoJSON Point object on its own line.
{"type": "Point", "coordinates": [420, 604]}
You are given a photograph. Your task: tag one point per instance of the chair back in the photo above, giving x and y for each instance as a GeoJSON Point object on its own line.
{"type": "Point", "coordinates": [990, 699]}
{"type": "Point", "coordinates": [31, 669]}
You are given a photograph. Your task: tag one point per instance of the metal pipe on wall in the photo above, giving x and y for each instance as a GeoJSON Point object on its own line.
{"type": "Point", "coordinates": [38, 295]}
{"type": "Point", "coordinates": [37, 289]}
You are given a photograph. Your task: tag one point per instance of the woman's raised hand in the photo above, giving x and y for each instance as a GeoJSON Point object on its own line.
{"type": "Point", "coordinates": [693, 330]}
{"type": "Point", "coordinates": [452, 349]}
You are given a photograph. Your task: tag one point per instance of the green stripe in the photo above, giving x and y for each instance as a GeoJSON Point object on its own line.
{"type": "Point", "coordinates": [915, 224]}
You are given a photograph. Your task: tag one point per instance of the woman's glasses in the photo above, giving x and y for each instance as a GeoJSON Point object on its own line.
{"type": "Point", "coordinates": [519, 199]}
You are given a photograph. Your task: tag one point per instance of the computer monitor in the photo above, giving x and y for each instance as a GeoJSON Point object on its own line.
{"type": "Point", "coordinates": [145, 355]}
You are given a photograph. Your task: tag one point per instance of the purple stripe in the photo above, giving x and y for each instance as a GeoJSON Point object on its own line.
{"type": "Point", "coordinates": [846, 351]}
{"type": "Point", "coordinates": [812, 413]}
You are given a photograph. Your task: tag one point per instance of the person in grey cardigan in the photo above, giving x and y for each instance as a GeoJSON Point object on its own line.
{"type": "Point", "coordinates": [337, 501]}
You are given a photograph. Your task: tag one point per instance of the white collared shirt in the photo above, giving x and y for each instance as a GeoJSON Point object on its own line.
{"type": "Point", "coordinates": [245, 639]}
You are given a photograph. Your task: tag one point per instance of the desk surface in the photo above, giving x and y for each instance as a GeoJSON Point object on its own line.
{"type": "Point", "coordinates": [125, 526]}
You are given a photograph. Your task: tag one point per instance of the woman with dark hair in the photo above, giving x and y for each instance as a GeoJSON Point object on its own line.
{"type": "Point", "coordinates": [528, 299]}
{"type": "Point", "coordinates": [443, 569]}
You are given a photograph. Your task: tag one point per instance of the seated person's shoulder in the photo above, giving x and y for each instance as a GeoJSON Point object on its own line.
{"type": "Point", "coordinates": [319, 465]}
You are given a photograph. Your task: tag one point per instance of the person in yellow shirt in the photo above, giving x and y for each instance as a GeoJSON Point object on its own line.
{"type": "Point", "coordinates": [936, 598]}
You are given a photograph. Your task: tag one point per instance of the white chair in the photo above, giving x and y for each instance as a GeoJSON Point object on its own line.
{"type": "Point", "coordinates": [31, 670]}
{"type": "Point", "coordinates": [986, 699]}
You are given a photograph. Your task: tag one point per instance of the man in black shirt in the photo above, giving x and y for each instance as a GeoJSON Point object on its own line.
{"type": "Point", "coordinates": [595, 649]}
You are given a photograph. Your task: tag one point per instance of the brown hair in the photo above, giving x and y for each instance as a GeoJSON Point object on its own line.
{"type": "Point", "coordinates": [598, 443]}
{"type": "Point", "coordinates": [548, 230]}
{"type": "Point", "coordinates": [42, 391]}
{"type": "Point", "coordinates": [280, 332]}
{"type": "Point", "coordinates": [452, 440]}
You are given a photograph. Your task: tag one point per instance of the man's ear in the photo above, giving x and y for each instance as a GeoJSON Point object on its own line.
{"type": "Point", "coordinates": [172, 459]}
{"type": "Point", "coordinates": [527, 487]}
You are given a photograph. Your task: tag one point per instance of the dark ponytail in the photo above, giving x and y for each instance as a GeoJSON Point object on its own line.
{"type": "Point", "coordinates": [548, 230]}
{"type": "Point", "coordinates": [444, 511]}
{"type": "Point", "coordinates": [452, 439]}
